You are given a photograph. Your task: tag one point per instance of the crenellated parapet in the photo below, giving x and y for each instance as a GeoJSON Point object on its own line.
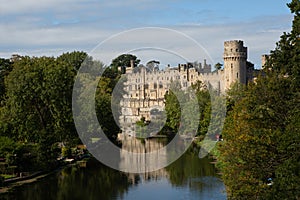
{"type": "Point", "coordinates": [235, 63]}
{"type": "Point", "coordinates": [235, 49]}
{"type": "Point", "coordinates": [146, 88]}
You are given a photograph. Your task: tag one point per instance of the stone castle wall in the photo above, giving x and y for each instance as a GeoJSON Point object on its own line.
{"type": "Point", "coordinates": [145, 89]}
{"type": "Point", "coordinates": [235, 63]}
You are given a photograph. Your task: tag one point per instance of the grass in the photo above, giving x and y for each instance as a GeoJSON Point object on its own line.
{"type": "Point", "coordinates": [7, 176]}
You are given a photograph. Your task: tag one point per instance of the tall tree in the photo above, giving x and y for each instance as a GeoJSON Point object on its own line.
{"type": "Point", "coordinates": [38, 104]}
{"type": "Point", "coordinates": [104, 103]}
{"type": "Point", "coordinates": [74, 59]}
{"type": "Point", "coordinates": [260, 154]}
{"type": "Point", "coordinates": [5, 68]}
{"type": "Point", "coordinates": [172, 107]}
{"type": "Point", "coordinates": [124, 60]}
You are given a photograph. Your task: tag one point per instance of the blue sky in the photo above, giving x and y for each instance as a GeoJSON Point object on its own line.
{"type": "Point", "coordinates": [50, 27]}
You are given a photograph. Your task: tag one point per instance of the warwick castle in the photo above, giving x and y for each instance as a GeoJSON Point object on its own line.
{"type": "Point", "coordinates": [146, 86]}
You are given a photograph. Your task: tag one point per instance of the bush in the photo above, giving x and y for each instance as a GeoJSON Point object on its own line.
{"type": "Point", "coordinates": [66, 152]}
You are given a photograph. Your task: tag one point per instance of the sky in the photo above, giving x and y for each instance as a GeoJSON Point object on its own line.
{"type": "Point", "coordinates": [170, 31]}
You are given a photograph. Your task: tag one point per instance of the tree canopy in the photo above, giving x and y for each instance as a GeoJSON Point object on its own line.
{"type": "Point", "coordinates": [260, 157]}
{"type": "Point", "coordinates": [5, 68]}
{"type": "Point", "coordinates": [124, 61]}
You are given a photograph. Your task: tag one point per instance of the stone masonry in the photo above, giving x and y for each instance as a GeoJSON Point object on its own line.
{"type": "Point", "coordinates": [145, 88]}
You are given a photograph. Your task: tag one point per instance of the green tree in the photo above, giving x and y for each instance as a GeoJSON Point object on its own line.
{"type": "Point", "coordinates": [5, 68]}
{"type": "Point", "coordinates": [257, 143]}
{"type": "Point", "coordinates": [7, 149]}
{"type": "Point", "coordinates": [218, 66]}
{"type": "Point", "coordinates": [38, 104]}
{"type": "Point", "coordinates": [203, 98]}
{"type": "Point", "coordinates": [104, 111]}
{"type": "Point", "coordinates": [124, 61]}
{"type": "Point", "coordinates": [141, 128]}
{"type": "Point", "coordinates": [105, 84]}
{"type": "Point", "coordinates": [261, 134]}
{"type": "Point", "coordinates": [173, 111]}
{"type": "Point", "coordinates": [284, 60]}
{"type": "Point", "coordinates": [74, 59]}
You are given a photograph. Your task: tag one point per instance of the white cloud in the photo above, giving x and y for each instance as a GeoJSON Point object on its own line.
{"type": "Point", "coordinates": [29, 6]}
{"type": "Point", "coordinates": [28, 28]}
{"type": "Point", "coordinates": [259, 35]}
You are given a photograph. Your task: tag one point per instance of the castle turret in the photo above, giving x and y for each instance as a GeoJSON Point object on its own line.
{"type": "Point", "coordinates": [264, 59]}
{"type": "Point", "coordinates": [235, 63]}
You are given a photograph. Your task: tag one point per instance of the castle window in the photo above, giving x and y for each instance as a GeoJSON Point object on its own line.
{"type": "Point", "coordinates": [146, 86]}
{"type": "Point", "coordinates": [155, 85]}
{"type": "Point", "coordinates": [184, 77]}
{"type": "Point", "coordinates": [192, 76]}
{"type": "Point", "coordinates": [160, 85]}
{"type": "Point", "coordinates": [231, 65]}
{"type": "Point", "coordinates": [237, 50]}
{"type": "Point", "coordinates": [136, 94]}
{"type": "Point", "coordinates": [237, 75]}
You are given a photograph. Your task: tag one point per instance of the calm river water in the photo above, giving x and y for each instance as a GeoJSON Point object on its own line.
{"type": "Point", "coordinates": [187, 178]}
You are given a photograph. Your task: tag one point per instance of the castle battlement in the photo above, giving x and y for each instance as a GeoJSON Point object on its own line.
{"type": "Point", "coordinates": [214, 73]}
{"type": "Point", "coordinates": [234, 43]}
{"type": "Point", "coordinates": [234, 49]}
{"type": "Point", "coordinates": [146, 88]}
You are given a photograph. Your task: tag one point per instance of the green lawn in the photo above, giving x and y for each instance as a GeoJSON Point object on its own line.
{"type": "Point", "coordinates": [7, 176]}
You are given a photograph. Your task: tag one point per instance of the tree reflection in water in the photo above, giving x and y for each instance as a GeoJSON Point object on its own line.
{"type": "Point", "coordinates": [93, 180]}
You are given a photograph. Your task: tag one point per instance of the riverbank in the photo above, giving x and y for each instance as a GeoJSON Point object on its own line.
{"type": "Point", "coordinates": [35, 176]}
{"type": "Point", "coordinates": [187, 178]}
{"type": "Point", "coordinates": [24, 180]}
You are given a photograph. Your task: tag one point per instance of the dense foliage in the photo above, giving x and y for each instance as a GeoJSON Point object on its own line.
{"type": "Point", "coordinates": [124, 61]}
{"type": "Point", "coordinates": [177, 114]}
{"type": "Point", "coordinates": [36, 108]}
{"type": "Point", "coordinates": [5, 68]}
{"type": "Point", "coordinates": [260, 155]}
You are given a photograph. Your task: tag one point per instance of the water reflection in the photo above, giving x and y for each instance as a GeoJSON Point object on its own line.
{"type": "Point", "coordinates": [187, 178]}
{"type": "Point", "coordinates": [133, 156]}
{"type": "Point", "coordinates": [94, 181]}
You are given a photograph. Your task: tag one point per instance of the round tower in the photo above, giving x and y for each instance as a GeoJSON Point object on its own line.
{"type": "Point", "coordinates": [235, 67]}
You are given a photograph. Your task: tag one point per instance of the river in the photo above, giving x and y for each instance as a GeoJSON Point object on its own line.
{"type": "Point", "coordinates": [187, 178]}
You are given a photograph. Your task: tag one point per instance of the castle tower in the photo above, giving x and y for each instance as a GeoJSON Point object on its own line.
{"type": "Point", "coordinates": [264, 59]}
{"type": "Point", "coordinates": [235, 59]}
